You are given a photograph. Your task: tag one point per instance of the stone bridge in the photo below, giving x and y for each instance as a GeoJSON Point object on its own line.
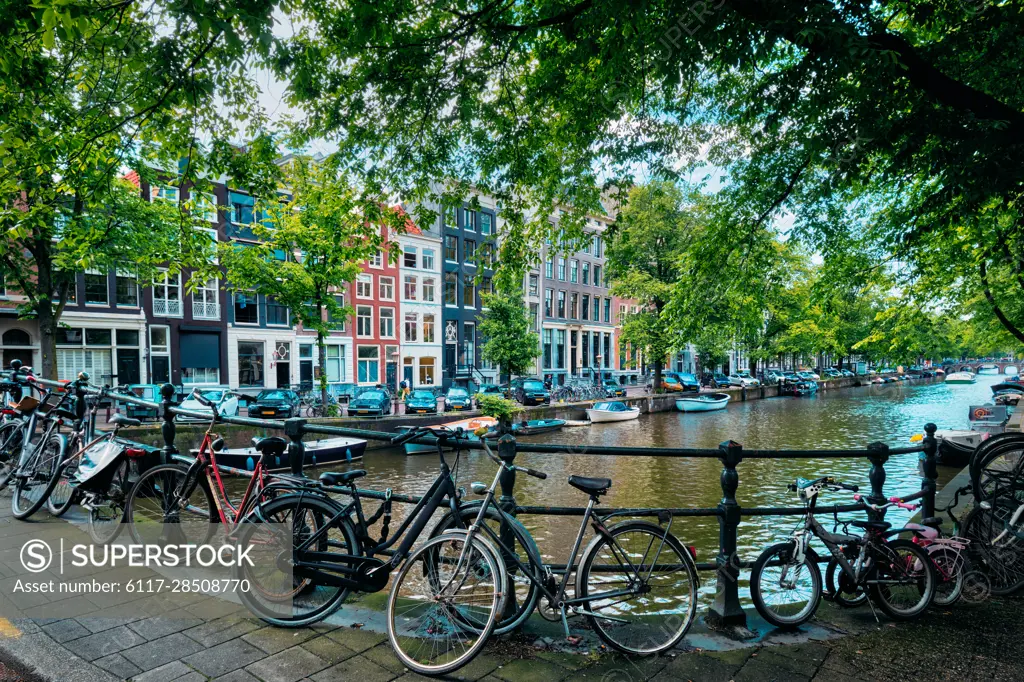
{"type": "Point", "coordinates": [974, 366]}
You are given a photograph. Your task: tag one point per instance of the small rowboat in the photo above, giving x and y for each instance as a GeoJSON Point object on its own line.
{"type": "Point", "coordinates": [318, 453]}
{"type": "Point", "coordinates": [531, 427]}
{"type": "Point", "coordinates": [614, 411]}
{"type": "Point", "coordinates": [703, 403]}
{"type": "Point", "coordinates": [467, 425]}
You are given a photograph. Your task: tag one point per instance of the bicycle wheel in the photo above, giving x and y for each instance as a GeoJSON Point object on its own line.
{"type": "Point", "coordinates": [843, 590]}
{"type": "Point", "coordinates": [277, 594]}
{"type": "Point", "coordinates": [444, 576]}
{"type": "Point", "coordinates": [1000, 471]}
{"type": "Point", "coordinates": [11, 435]}
{"type": "Point", "coordinates": [38, 477]}
{"type": "Point", "coordinates": [63, 495]}
{"type": "Point", "coordinates": [903, 580]}
{"type": "Point", "coordinates": [999, 557]}
{"type": "Point", "coordinates": [158, 511]}
{"type": "Point", "coordinates": [658, 572]}
{"type": "Point", "coordinates": [949, 567]}
{"type": "Point", "coordinates": [521, 590]}
{"type": "Point", "coordinates": [785, 593]}
{"type": "Point", "coordinates": [106, 512]}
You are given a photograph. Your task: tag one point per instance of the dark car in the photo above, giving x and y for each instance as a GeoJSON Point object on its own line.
{"type": "Point", "coordinates": [150, 392]}
{"type": "Point", "coordinates": [492, 389]}
{"type": "Point", "coordinates": [719, 380]}
{"type": "Point", "coordinates": [275, 402]}
{"type": "Point", "coordinates": [530, 391]}
{"type": "Point", "coordinates": [612, 389]}
{"type": "Point", "coordinates": [375, 402]}
{"type": "Point", "coordinates": [458, 398]}
{"type": "Point", "coordinates": [688, 382]}
{"type": "Point", "coordinates": [421, 401]}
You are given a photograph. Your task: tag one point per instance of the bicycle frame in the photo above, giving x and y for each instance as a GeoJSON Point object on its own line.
{"type": "Point", "coordinates": [28, 449]}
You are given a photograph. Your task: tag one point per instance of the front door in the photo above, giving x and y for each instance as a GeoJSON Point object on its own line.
{"type": "Point", "coordinates": [159, 369]}
{"type": "Point", "coordinates": [407, 370]}
{"type": "Point", "coordinates": [284, 374]}
{"type": "Point", "coordinates": [128, 366]}
{"type": "Point", "coordinates": [306, 374]}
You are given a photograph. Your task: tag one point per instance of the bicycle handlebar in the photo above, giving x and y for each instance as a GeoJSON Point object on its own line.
{"type": "Point", "coordinates": [893, 502]}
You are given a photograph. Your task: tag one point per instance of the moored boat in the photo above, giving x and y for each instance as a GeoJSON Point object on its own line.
{"type": "Point", "coordinates": [467, 425]}
{"type": "Point", "coordinates": [276, 458]}
{"type": "Point", "coordinates": [531, 427]}
{"type": "Point", "coordinates": [956, 446]}
{"type": "Point", "coordinates": [961, 378]}
{"type": "Point", "coordinates": [708, 402]}
{"type": "Point", "coordinates": [613, 411]}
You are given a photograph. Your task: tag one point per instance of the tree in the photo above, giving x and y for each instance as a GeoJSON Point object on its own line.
{"type": "Point", "coordinates": [643, 258]}
{"type": "Point", "coordinates": [89, 89]}
{"type": "Point", "coordinates": [508, 341]}
{"type": "Point", "coordinates": [313, 237]}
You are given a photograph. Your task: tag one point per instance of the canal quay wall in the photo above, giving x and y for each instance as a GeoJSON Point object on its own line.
{"type": "Point", "coordinates": [238, 435]}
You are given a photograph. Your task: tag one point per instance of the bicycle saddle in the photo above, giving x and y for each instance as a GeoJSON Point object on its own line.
{"type": "Point", "coordinates": [872, 525]}
{"type": "Point", "coordinates": [592, 486]}
{"type": "Point", "coordinates": [122, 420]}
{"type": "Point", "coordinates": [931, 521]}
{"type": "Point", "coordinates": [270, 445]}
{"type": "Point", "coordinates": [67, 414]}
{"type": "Point", "coordinates": [341, 477]}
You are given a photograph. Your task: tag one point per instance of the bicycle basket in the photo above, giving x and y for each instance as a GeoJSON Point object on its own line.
{"type": "Point", "coordinates": [98, 465]}
{"type": "Point", "coordinates": [26, 404]}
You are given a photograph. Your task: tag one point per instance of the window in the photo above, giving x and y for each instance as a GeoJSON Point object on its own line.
{"type": "Point", "coordinates": [211, 248]}
{"type": "Point", "coordinates": [167, 294]}
{"type": "Point", "coordinates": [607, 349]}
{"type": "Point", "coordinates": [164, 193]}
{"type": "Point", "coordinates": [159, 340]}
{"type": "Point", "coordinates": [427, 260]}
{"type": "Point", "coordinates": [549, 268]}
{"type": "Point", "coordinates": [585, 308]}
{"type": "Point", "coordinates": [548, 294]}
{"type": "Point", "coordinates": [597, 245]}
{"type": "Point", "coordinates": [206, 207]}
{"type": "Point", "coordinates": [200, 376]}
{"type": "Point", "coordinates": [597, 276]}
{"type": "Point", "coordinates": [607, 310]}
{"type": "Point", "coordinates": [364, 321]}
{"type": "Point", "coordinates": [468, 250]}
{"type": "Point", "coordinates": [428, 328]}
{"type": "Point", "coordinates": [368, 364]}
{"type": "Point", "coordinates": [428, 289]}
{"type": "Point", "coordinates": [411, 327]}
{"type": "Point", "coordinates": [487, 287]}
{"type": "Point", "coordinates": [60, 278]}
{"type": "Point", "coordinates": [485, 223]}
{"type": "Point", "coordinates": [451, 248]}
{"type": "Point", "coordinates": [534, 285]}
{"type": "Point", "coordinates": [409, 287]}
{"type": "Point", "coordinates": [126, 289]}
{"type": "Point", "coordinates": [574, 305]}
{"type": "Point", "coordinates": [387, 323]}
{"type": "Point", "coordinates": [574, 271]}
{"type": "Point", "coordinates": [586, 242]}
{"type": "Point", "coordinates": [335, 364]}
{"type": "Point", "coordinates": [560, 348]}
{"type": "Point", "coordinates": [377, 259]}
{"type": "Point", "coordinates": [534, 309]}
{"type": "Point", "coordinates": [426, 371]}
{"type": "Point", "coordinates": [338, 320]}
{"type": "Point", "coordinates": [409, 256]}
{"type": "Point", "coordinates": [250, 363]}
{"type": "Point", "coordinates": [585, 279]}
{"type": "Point", "coordinates": [451, 282]}
{"type": "Point", "coordinates": [468, 219]}
{"type": "Point", "coordinates": [160, 354]}
{"type": "Point", "coordinates": [468, 294]}
{"type": "Point", "coordinates": [96, 292]}
{"type": "Point", "coordinates": [364, 286]}
{"type": "Point", "coordinates": [386, 288]}
{"type": "Point", "coordinates": [561, 269]}
{"type": "Point", "coordinates": [490, 259]}
{"type": "Point", "coordinates": [246, 309]}
{"type": "Point", "coordinates": [277, 314]}
{"type": "Point", "coordinates": [561, 304]}
{"type": "Point", "coordinates": [449, 218]}
{"type": "Point", "coordinates": [547, 347]}
{"type": "Point", "coordinates": [205, 303]}
{"type": "Point", "coordinates": [468, 344]}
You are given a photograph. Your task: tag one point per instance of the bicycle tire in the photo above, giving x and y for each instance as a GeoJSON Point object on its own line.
{"type": "Point", "coordinates": [329, 598]}
{"type": "Point", "coordinates": [923, 569]}
{"type": "Point", "coordinates": [949, 565]}
{"type": "Point", "coordinates": [152, 500]}
{"type": "Point", "coordinates": [784, 551]}
{"type": "Point", "coordinates": [614, 633]}
{"type": "Point", "coordinates": [31, 491]}
{"type": "Point", "coordinates": [525, 545]}
{"type": "Point", "coordinates": [63, 496]}
{"type": "Point", "coordinates": [838, 586]}
{"type": "Point", "coordinates": [11, 435]}
{"type": "Point", "coordinates": [106, 521]}
{"type": "Point", "coordinates": [1003, 566]}
{"type": "Point", "coordinates": [987, 445]}
{"type": "Point", "coordinates": [999, 471]}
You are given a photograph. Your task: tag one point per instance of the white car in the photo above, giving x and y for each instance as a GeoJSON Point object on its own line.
{"type": "Point", "coordinates": [225, 400]}
{"type": "Point", "coordinates": [743, 379]}
{"type": "Point", "coordinates": [808, 375]}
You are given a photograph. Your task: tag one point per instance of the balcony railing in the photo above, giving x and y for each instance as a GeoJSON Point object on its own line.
{"type": "Point", "coordinates": [203, 310]}
{"type": "Point", "coordinates": [167, 307]}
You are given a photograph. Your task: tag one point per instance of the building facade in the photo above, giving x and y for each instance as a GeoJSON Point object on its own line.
{"type": "Point", "coordinates": [420, 312]}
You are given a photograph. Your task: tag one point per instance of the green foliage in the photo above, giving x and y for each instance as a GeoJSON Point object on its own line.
{"type": "Point", "coordinates": [505, 327]}
{"type": "Point", "coordinates": [502, 409]}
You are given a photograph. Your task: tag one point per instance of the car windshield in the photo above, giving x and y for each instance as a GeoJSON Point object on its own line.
{"type": "Point", "coordinates": [421, 395]}
{"type": "Point", "coordinates": [533, 386]}
{"type": "Point", "coordinates": [457, 393]}
{"type": "Point", "coordinates": [745, 375]}
{"type": "Point", "coordinates": [372, 395]}
{"type": "Point", "coordinates": [687, 377]}
{"type": "Point", "coordinates": [611, 384]}
{"type": "Point", "coordinates": [272, 395]}
{"type": "Point", "coordinates": [215, 396]}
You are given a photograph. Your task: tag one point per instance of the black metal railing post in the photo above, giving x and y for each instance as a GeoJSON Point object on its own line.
{"type": "Point", "coordinates": [878, 455]}
{"type": "Point", "coordinates": [929, 472]}
{"type": "Point", "coordinates": [726, 609]}
{"type": "Point", "coordinates": [294, 428]}
{"type": "Point", "coordinates": [167, 429]}
{"type": "Point", "coordinates": [507, 501]}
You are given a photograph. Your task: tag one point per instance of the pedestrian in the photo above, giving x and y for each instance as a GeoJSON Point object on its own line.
{"type": "Point", "coordinates": [404, 386]}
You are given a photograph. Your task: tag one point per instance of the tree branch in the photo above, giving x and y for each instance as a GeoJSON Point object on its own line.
{"type": "Point", "coordinates": [1000, 315]}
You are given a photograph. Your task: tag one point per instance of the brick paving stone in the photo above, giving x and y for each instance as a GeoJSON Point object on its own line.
{"type": "Point", "coordinates": [773, 657]}
{"type": "Point", "coordinates": [759, 669]}
{"type": "Point", "coordinates": [290, 665]}
{"type": "Point", "coordinates": [828, 675]}
{"type": "Point", "coordinates": [224, 658]}
{"type": "Point", "coordinates": [165, 673]}
{"type": "Point", "coordinates": [328, 649]}
{"type": "Point", "coordinates": [566, 660]}
{"type": "Point", "coordinates": [192, 677]}
{"type": "Point", "coordinates": [273, 640]}
{"type": "Point", "coordinates": [160, 651]}
{"type": "Point", "coordinates": [161, 626]}
{"type": "Point", "coordinates": [384, 656]}
{"type": "Point", "coordinates": [118, 665]}
{"type": "Point", "coordinates": [64, 630]}
{"type": "Point", "coordinates": [101, 623]}
{"type": "Point", "coordinates": [357, 639]}
{"type": "Point", "coordinates": [530, 670]}
{"type": "Point", "coordinates": [698, 667]}
{"type": "Point", "coordinates": [237, 676]}
{"type": "Point", "coordinates": [620, 668]}
{"type": "Point", "coordinates": [221, 630]}
{"type": "Point", "coordinates": [103, 644]}
{"type": "Point", "coordinates": [355, 669]}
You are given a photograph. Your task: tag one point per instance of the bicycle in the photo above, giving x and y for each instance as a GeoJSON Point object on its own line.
{"type": "Point", "coordinates": [897, 574]}
{"type": "Point", "coordinates": [457, 578]}
{"type": "Point", "coordinates": [632, 608]}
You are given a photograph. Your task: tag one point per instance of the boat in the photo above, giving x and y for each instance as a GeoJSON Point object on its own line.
{"type": "Point", "coordinates": [988, 369]}
{"type": "Point", "coordinates": [1007, 387]}
{"type": "Point", "coordinates": [961, 378]}
{"type": "Point", "coordinates": [612, 411]}
{"type": "Point", "coordinates": [956, 446]}
{"type": "Point", "coordinates": [318, 453]}
{"type": "Point", "coordinates": [468, 425]}
{"type": "Point", "coordinates": [531, 427]}
{"type": "Point", "coordinates": [708, 402]}
{"type": "Point", "coordinates": [799, 388]}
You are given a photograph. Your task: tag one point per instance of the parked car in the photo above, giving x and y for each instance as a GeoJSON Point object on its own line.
{"type": "Point", "coordinates": [457, 398]}
{"type": "Point", "coordinates": [223, 398]}
{"type": "Point", "coordinates": [807, 376]}
{"type": "Point", "coordinates": [846, 373]}
{"type": "Point", "coordinates": [421, 401]}
{"type": "Point", "coordinates": [375, 402]}
{"type": "Point", "coordinates": [275, 402]}
{"type": "Point", "coordinates": [718, 380]}
{"type": "Point", "coordinates": [743, 379]}
{"type": "Point", "coordinates": [150, 392]}
{"type": "Point", "coordinates": [612, 389]}
{"type": "Point", "coordinates": [773, 376]}
{"type": "Point", "coordinates": [493, 389]}
{"type": "Point", "coordinates": [689, 382]}
{"type": "Point", "coordinates": [831, 373]}
{"type": "Point", "coordinates": [530, 391]}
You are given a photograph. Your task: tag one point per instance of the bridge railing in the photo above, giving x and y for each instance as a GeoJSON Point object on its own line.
{"type": "Point", "coordinates": [726, 609]}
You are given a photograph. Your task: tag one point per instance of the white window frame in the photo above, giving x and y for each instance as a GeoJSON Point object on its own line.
{"type": "Point", "coordinates": [121, 272]}
{"type": "Point", "coordinates": [410, 250]}
{"type": "Point", "coordinates": [85, 290]}
{"type": "Point", "coordinates": [388, 282]}
{"type": "Point", "coordinates": [367, 282]}
{"type": "Point", "coordinates": [381, 317]}
{"type": "Point", "coordinates": [407, 320]}
{"type": "Point", "coordinates": [414, 282]}
{"type": "Point", "coordinates": [360, 321]}
{"type": "Point", "coordinates": [427, 259]}
{"type": "Point", "coordinates": [429, 325]}
{"type": "Point", "coordinates": [376, 260]}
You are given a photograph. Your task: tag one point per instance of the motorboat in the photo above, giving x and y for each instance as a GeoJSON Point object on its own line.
{"type": "Point", "coordinates": [799, 388]}
{"type": "Point", "coordinates": [961, 378]}
{"type": "Point", "coordinates": [467, 425]}
{"type": "Point", "coordinates": [612, 411]}
{"type": "Point", "coordinates": [956, 446]}
{"type": "Point", "coordinates": [276, 458]}
{"type": "Point", "coordinates": [531, 427]}
{"type": "Point", "coordinates": [708, 402]}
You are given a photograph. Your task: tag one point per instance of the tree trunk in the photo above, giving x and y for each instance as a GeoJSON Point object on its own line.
{"type": "Point", "coordinates": [752, 364]}
{"type": "Point", "coordinates": [48, 341]}
{"type": "Point", "coordinates": [321, 350]}
{"type": "Point", "coordinates": [657, 374]}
